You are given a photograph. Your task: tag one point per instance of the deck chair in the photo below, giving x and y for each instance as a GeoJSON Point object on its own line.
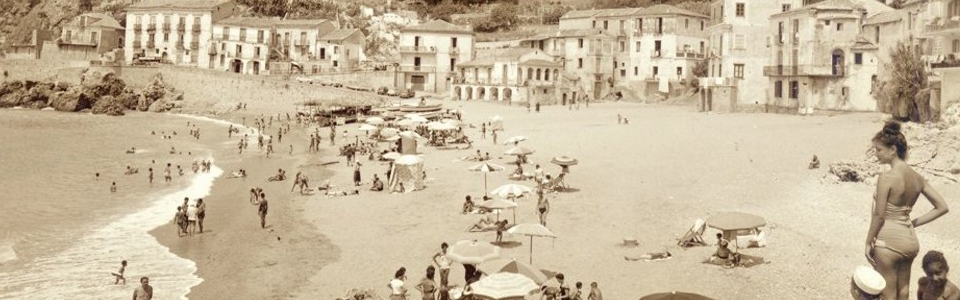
{"type": "Point", "coordinates": [758, 240]}
{"type": "Point", "coordinates": [694, 235]}
{"type": "Point", "coordinates": [554, 184]}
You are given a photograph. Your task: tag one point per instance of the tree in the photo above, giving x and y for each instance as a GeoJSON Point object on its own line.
{"type": "Point", "coordinates": [85, 5]}
{"type": "Point", "coordinates": [699, 70]}
{"type": "Point", "coordinates": [906, 95]}
{"type": "Point", "coordinates": [553, 15]}
{"type": "Point", "coordinates": [444, 11]}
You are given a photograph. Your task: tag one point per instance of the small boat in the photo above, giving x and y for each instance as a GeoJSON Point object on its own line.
{"type": "Point", "coordinates": [420, 108]}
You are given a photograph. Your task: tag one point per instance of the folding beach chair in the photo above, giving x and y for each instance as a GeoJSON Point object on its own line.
{"type": "Point", "coordinates": [694, 235]}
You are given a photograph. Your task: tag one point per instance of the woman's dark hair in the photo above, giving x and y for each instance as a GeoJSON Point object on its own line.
{"type": "Point", "coordinates": [932, 257]}
{"type": "Point", "coordinates": [891, 136]}
{"type": "Point", "coordinates": [400, 273]}
{"type": "Point", "coordinates": [430, 271]}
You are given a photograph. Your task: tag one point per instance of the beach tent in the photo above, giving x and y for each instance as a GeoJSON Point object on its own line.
{"type": "Point", "coordinates": [408, 144]}
{"type": "Point", "coordinates": [496, 122]}
{"type": "Point", "coordinates": [407, 171]}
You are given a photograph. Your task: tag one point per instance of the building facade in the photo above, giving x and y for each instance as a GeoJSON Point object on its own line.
{"type": "Point", "coordinates": [341, 49]}
{"type": "Point", "coordinates": [174, 31]}
{"type": "Point", "coordinates": [509, 75]}
{"type": "Point", "coordinates": [817, 54]}
{"type": "Point", "coordinates": [669, 43]}
{"type": "Point", "coordinates": [90, 35]}
{"type": "Point", "coordinates": [429, 54]}
{"type": "Point", "coordinates": [254, 45]}
{"type": "Point", "coordinates": [734, 79]}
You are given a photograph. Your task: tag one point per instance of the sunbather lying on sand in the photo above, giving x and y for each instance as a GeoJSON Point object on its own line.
{"type": "Point", "coordinates": [325, 186]}
{"type": "Point", "coordinates": [650, 256]}
{"type": "Point", "coordinates": [238, 174]}
{"type": "Point", "coordinates": [331, 194]}
{"type": "Point", "coordinates": [131, 171]}
{"type": "Point", "coordinates": [132, 150]}
{"type": "Point", "coordinates": [281, 176]}
{"type": "Point", "coordinates": [484, 224]}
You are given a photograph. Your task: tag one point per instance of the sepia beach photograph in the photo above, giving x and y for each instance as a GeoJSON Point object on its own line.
{"type": "Point", "coordinates": [479, 149]}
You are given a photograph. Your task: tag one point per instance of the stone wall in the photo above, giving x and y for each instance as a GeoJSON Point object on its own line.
{"type": "Point", "coordinates": [32, 69]}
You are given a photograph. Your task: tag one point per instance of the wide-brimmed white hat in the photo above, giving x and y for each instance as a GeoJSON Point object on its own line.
{"type": "Point", "coordinates": [868, 280]}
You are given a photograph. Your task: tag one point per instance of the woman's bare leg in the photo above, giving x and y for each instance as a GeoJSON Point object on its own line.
{"type": "Point", "coordinates": [903, 278]}
{"type": "Point", "coordinates": [887, 265]}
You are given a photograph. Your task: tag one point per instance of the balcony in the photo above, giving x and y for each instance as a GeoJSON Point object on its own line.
{"type": "Point", "coordinates": [689, 54]}
{"type": "Point", "coordinates": [151, 27]}
{"type": "Point", "coordinates": [300, 42]}
{"type": "Point", "coordinates": [194, 45]}
{"type": "Point", "coordinates": [196, 27]}
{"type": "Point", "coordinates": [166, 27]}
{"type": "Point", "coordinates": [137, 44]}
{"type": "Point", "coordinates": [180, 45]}
{"type": "Point", "coordinates": [637, 33]}
{"type": "Point", "coordinates": [454, 51]}
{"type": "Point", "coordinates": [137, 27]}
{"type": "Point", "coordinates": [655, 54]}
{"type": "Point", "coordinates": [945, 64]}
{"type": "Point", "coordinates": [181, 29]}
{"type": "Point", "coordinates": [804, 70]}
{"type": "Point", "coordinates": [717, 81]}
{"type": "Point", "coordinates": [151, 45]}
{"type": "Point", "coordinates": [943, 26]}
{"type": "Point", "coordinates": [417, 49]}
{"type": "Point", "coordinates": [411, 68]}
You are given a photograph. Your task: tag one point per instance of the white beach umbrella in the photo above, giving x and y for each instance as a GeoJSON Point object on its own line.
{"type": "Point", "coordinates": [512, 189]}
{"type": "Point", "coordinates": [531, 230]}
{"type": "Point", "coordinates": [504, 286]}
{"type": "Point", "coordinates": [441, 127]}
{"type": "Point", "coordinates": [392, 155]}
{"type": "Point", "coordinates": [515, 139]}
{"type": "Point", "coordinates": [405, 123]}
{"type": "Point", "coordinates": [473, 252]}
{"type": "Point", "coordinates": [450, 121]}
{"type": "Point", "coordinates": [367, 127]}
{"type": "Point", "coordinates": [374, 120]}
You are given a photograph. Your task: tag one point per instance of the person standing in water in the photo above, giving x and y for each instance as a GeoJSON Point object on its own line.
{"type": "Point", "coordinates": [144, 291]}
{"type": "Point", "coordinates": [201, 213]}
{"type": "Point", "coordinates": [119, 274]}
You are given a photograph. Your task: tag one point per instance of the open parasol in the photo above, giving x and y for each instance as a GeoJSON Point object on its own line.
{"type": "Point", "coordinates": [500, 204]}
{"type": "Point", "coordinates": [514, 190]}
{"type": "Point", "coordinates": [732, 222]}
{"type": "Point", "coordinates": [519, 150]}
{"type": "Point", "coordinates": [473, 252]}
{"type": "Point", "coordinates": [675, 296]}
{"type": "Point", "coordinates": [510, 265]}
{"type": "Point", "coordinates": [405, 160]}
{"type": "Point", "coordinates": [514, 139]}
{"type": "Point", "coordinates": [485, 168]}
{"type": "Point", "coordinates": [564, 161]}
{"type": "Point", "coordinates": [367, 127]}
{"type": "Point", "coordinates": [531, 230]}
{"type": "Point", "coordinates": [374, 120]}
{"type": "Point", "coordinates": [392, 155]}
{"type": "Point", "coordinates": [503, 286]}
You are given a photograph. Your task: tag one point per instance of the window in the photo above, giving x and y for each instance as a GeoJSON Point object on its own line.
{"type": "Point", "coordinates": [656, 71]}
{"type": "Point", "coordinates": [166, 37]}
{"type": "Point", "coordinates": [225, 35]}
{"type": "Point", "coordinates": [579, 64]}
{"type": "Point", "coordinates": [336, 49]}
{"type": "Point", "coordinates": [453, 42]}
{"type": "Point", "coordinates": [738, 71]}
{"type": "Point", "coordinates": [594, 25]}
{"type": "Point", "coordinates": [826, 22]}
{"type": "Point", "coordinates": [623, 46]}
{"type": "Point", "coordinates": [260, 36]}
{"type": "Point", "coordinates": [636, 71]}
{"type": "Point", "coordinates": [780, 33]}
{"type": "Point", "coordinates": [221, 59]}
{"type": "Point", "coordinates": [839, 26]}
{"type": "Point", "coordinates": [605, 25]}
{"type": "Point", "coordinates": [638, 47]}
{"type": "Point", "coordinates": [239, 51]}
{"type": "Point", "coordinates": [581, 43]}
{"type": "Point", "coordinates": [785, 7]}
{"type": "Point", "coordinates": [702, 25]}
{"type": "Point", "coordinates": [739, 42]}
{"type": "Point", "coordinates": [335, 64]}
{"type": "Point", "coordinates": [453, 62]}
{"type": "Point", "coordinates": [93, 38]}
{"type": "Point", "coordinates": [778, 89]}
{"type": "Point", "coordinates": [741, 9]}
{"type": "Point", "coordinates": [623, 73]}
{"type": "Point", "coordinates": [256, 52]}
{"type": "Point", "coordinates": [876, 35]}
{"type": "Point", "coordinates": [686, 23]}
{"type": "Point", "coordinates": [679, 71]}
{"type": "Point", "coordinates": [858, 58]}
{"type": "Point", "coordinates": [640, 24]}
{"type": "Point", "coordinates": [794, 89]}
{"type": "Point", "coordinates": [223, 46]}
{"type": "Point", "coordinates": [183, 21]}
{"type": "Point", "coordinates": [956, 45]}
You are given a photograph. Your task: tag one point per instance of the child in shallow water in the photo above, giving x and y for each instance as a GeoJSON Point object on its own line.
{"type": "Point", "coordinates": [119, 274]}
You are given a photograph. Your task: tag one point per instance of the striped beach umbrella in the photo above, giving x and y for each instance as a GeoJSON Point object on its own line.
{"type": "Point", "coordinates": [510, 265]}
{"type": "Point", "coordinates": [504, 285]}
{"type": "Point", "coordinates": [486, 168]}
{"type": "Point", "coordinates": [473, 252]}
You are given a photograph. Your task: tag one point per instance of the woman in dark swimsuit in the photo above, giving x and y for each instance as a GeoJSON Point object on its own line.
{"type": "Point", "coordinates": [543, 208]}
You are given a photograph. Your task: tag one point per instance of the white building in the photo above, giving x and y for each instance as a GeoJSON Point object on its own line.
{"type": "Point", "coordinates": [174, 31]}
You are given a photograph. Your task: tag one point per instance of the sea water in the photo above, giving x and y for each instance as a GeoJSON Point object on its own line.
{"type": "Point", "coordinates": [62, 232]}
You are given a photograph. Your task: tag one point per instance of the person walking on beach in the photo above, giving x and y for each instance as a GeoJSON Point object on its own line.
{"type": "Point", "coordinates": [201, 213]}
{"type": "Point", "coordinates": [427, 286]}
{"type": "Point", "coordinates": [192, 219]}
{"type": "Point", "coordinates": [144, 291]}
{"type": "Point", "coordinates": [442, 261]}
{"type": "Point", "coordinates": [891, 243]}
{"type": "Point", "coordinates": [150, 176]}
{"type": "Point", "coordinates": [494, 135]}
{"type": "Point", "coordinates": [119, 274]}
{"type": "Point", "coordinates": [356, 174]}
{"type": "Point", "coordinates": [262, 210]}
{"type": "Point", "coordinates": [239, 149]}
{"type": "Point", "coordinates": [543, 208]}
{"type": "Point", "coordinates": [113, 187]}
{"type": "Point", "coordinates": [180, 220]}
{"type": "Point", "coordinates": [269, 148]}
{"type": "Point", "coordinates": [167, 177]}
{"type": "Point", "coordinates": [483, 130]}
{"type": "Point", "coordinates": [296, 180]}
{"type": "Point", "coordinates": [397, 290]}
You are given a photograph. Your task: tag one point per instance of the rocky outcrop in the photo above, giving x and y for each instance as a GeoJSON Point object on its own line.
{"type": "Point", "coordinates": [72, 100]}
{"type": "Point", "coordinates": [160, 96]}
{"type": "Point", "coordinates": [108, 105]}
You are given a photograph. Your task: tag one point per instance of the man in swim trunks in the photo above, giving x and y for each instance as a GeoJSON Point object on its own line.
{"type": "Point", "coordinates": [144, 291]}
{"type": "Point", "coordinates": [262, 210]}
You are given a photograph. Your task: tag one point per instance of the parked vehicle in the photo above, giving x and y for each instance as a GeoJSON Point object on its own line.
{"type": "Point", "coordinates": [406, 94]}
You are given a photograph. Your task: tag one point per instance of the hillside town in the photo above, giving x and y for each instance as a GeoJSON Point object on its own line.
{"type": "Point", "coordinates": [771, 56]}
{"type": "Point", "coordinates": [536, 150]}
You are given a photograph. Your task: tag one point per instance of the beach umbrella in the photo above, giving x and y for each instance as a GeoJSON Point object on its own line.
{"type": "Point", "coordinates": [392, 138]}
{"type": "Point", "coordinates": [504, 285]}
{"type": "Point", "coordinates": [731, 222]}
{"type": "Point", "coordinates": [564, 161]}
{"type": "Point", "coordinates": [485, 168]}
{"type": "Point", "coordinates": [392, 155]}
{"type": "Point", "coordinates": [406, 160]}
{"type": "Point", "coordinates": [675, 296]}
{"type": "Point", "coordinates": [440, 126]}
{"type": "Point", "coordinates": [519, 150]}
{"type": "Point", "coordinates": [389, 132]}
{"type": "Point", "coordinates": [367, 127]}
{"type": "Point", "coordinates": [500, 204]}
{"type": "Point", "coordinates": [510, 265]}
{"type": "Point", "coordinates": [450, 121]}
{"type": "Point", "coordinates": [417, 118]}
{"type": "Point", "coordinates": [410, 134]}
{"type": "Point", "coordinates": [508, 190]}
{"type": "Point", "coordinates": [374, 120]}
{"type": "Point", "coordinates": [496, 118]}
{"type": "Point", "coordinates": [531, 230]}
{"type": "Point", "coordinates": [515, 139]}
{"type": "Point", "coordinates": [473, 252]}
{"type": "Point", "coordinates": [405, 123]}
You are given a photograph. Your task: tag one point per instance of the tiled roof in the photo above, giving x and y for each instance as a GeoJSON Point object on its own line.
{"type": "Point", "coordinates": [872, 7]}
{"type": "Point", "coordinates": [863, 43]}
{"type": "Point", "coordinates": [884, 17]}
{"type": "Point", "coordinates": [301, 22]}
{"type": "Point", "coordinates": [541, 62]}
{"type": "Point", "coordinates": [437, 26]}
{"type": "Point", "coordinates": [619, 12]}
{"type": "Point", "coordinates": [581, 32]}
{"type": "Point", "coordinates": [249, 22]}
{"type": "Point", "coordinates": [177, 4]}
{"type": "Point", "coordinates": [663, 9]}
{"type": "Point", "coordinates": [103, 20]}
{"type": "Point", "coordinates": [573, 14]}
{"type": "Point", "coordinates": [339, 34]}
{"type": "Point", "coordinates": [482, 62]}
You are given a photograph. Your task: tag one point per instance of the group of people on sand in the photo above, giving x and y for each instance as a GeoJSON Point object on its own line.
{"type": "Point", "coordinates": [428, 287]}
{"type": "Point", "coordinates": [189, 217]}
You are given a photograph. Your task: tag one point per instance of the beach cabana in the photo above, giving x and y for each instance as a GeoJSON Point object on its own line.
{"type": "Point", "coordinates": [407, 171]}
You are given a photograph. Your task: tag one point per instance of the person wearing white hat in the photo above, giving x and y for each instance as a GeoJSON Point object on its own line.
{"type": "Point", "coordinates": [866, 284]}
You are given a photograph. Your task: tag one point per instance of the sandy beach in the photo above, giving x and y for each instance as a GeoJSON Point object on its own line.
{"type": "Point", "coordinates": [648, 180]}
